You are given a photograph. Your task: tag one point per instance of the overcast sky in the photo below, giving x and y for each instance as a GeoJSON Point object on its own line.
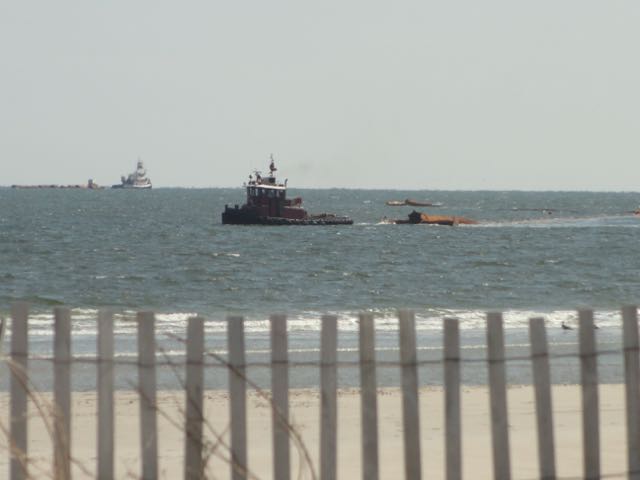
{"type": "Point", "coordinates": [347, 93]}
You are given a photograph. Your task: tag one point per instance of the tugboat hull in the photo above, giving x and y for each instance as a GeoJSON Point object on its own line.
{"type": "Point", "coordinates": [242, 216]}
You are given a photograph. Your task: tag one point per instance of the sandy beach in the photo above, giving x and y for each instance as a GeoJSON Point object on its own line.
{"type": "Point", "coordinates": [305, 416]}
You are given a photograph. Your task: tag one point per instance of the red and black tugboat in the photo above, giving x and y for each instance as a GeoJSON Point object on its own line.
{"type": "Point", "coordinates": [267, 204]}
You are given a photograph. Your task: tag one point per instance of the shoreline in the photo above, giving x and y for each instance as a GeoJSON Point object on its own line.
{"type": "Point", "coordinates": [305, 414]}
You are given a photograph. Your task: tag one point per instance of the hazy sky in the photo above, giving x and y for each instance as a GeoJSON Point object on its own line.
{"type": "Point", "coordinates": [350, 93]}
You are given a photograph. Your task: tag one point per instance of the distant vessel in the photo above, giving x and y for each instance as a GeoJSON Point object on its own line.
{"type": "Point", "coordinates": [267, 204]}
{"type": "Point", "coordinates": [137, 179]}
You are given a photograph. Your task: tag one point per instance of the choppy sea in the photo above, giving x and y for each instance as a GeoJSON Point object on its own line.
{"type": "Point", "coordinates": [165, 250]}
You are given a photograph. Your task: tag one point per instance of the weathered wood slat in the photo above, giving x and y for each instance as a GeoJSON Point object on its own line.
{"type": "Point", "coordinates": [105, 387]}
{"type": "Point", "coordinates": [193, 456]}
{"type": "Point", "coordinates": [3, 330]}
{"type": "Point", "coordinates": [498, 397]}
{"type": "Point", "coordinates": [19, 378]}
{"type": "Point", "coordinates": [62, 392]}
{"type": "Point", "coordinates": [542, 388]}
{"type": "Point", "coordinates": [238, 397]}
{"type": "Point", "coordinates": [410, 408]}
{"type": "Point", "coordinates": [280, 393]}
{"type": "Point", "coordinates": [452, 407]}
{"type": "Point", "coordinates": [369, 406]}
{"type": "Point", "coordinates": [329, 398]}
{"type": "Point", "coordinates": [147, 390]}
{"type": "Point", "coordinates": [632, 387]}
{"type": "Point", "coordinates": [590, 402]}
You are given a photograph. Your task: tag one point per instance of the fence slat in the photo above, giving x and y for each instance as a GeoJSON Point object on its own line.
{"type": "Point", "coordinates": [62, 392]}
{"type": "Point", "coordinates": [632, 387]}
{"type": "Point", "coordinates": [498, 397]}
{"type": "Point", "coordinates": [105, 440]}
{"type": "Point", "coordinates": [238, 397]}
{"type": "Point", "coordinates": [453, 429]}
{"type": "Point", "coordinates": [590, 409]}
{"type": "Point", "coordinates": [193, 464]}
{"type": "Point", "coordinates": [328, 389]}
{"type": "Point", "coordinates": [410, 408]}
{"type": "Point", "coordinates": [369, 408]}
{"type": "Point", "coordinates": [280, 392]}
{"type": "Point", "coordinates": [542, 387]}
{"type": "Point", "coordinates": [3, 329]}
{"type": "Point", "coordinates": [147, 387]}
{"type": "Point", "coordinates": [19, 378]}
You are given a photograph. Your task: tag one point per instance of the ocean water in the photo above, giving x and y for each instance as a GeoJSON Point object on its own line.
{"type": "Point", "coordinates": [165, 250]}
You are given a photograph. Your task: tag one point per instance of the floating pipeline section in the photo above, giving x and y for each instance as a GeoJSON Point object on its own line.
{"type": "Point", "coordinates": [90, 185]}
{"type": "Point", "coordinates": [417, 203]}
{"type": "Point", "coordinates": [416, 218]}
{"type": "Point", "coordinates": [412, 203]}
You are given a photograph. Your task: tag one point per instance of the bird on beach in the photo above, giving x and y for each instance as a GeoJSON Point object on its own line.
{"type": "Point", "coordinates": [565, 326]}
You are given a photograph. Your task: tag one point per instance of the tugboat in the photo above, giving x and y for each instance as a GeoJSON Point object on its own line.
{"type": "Point", "coordinates": [137, 179]}
{"type": "Point", "coordinates": [267, 204]}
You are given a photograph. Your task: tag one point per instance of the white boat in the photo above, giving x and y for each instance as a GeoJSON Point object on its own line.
{"type": "Point", "coordinates": [137, 179]}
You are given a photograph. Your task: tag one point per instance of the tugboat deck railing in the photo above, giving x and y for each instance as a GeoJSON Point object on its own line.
{"type": "Point", "coordinates": [266, 186]}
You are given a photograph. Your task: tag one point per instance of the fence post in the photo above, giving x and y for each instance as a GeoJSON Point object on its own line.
{"type": "Point", "coordinates": [105, 440]}
{"type": "Point", "coordinates": [410, 407]}
{"type": "Point", "coordinates": [280, 393]}
{"type": "Point", "coordinates": [147, 386]}
{"type": "Point", "coordinates": [19, 386]}
{"type": "Point", "coordinates": [62, 393]}
{"type": "Point", "coordinates": [328, 407]}
{"type": "Point", "coordinates": [369, 408]}
{"type": "Point", "coordinates": [193, 465]}
{"type": "Point", "coordinates": [632, 389]}
{"type": "Point", "coordinates": [498, 396]}
{"type": "Point", "coordinates": [238, 397]}
{"type": "Point", "coordinates": [542, 386]}
{"type": "Point", "coordinates": [590, 413]}
{"type": "Point", "coordinates": [453, 431]}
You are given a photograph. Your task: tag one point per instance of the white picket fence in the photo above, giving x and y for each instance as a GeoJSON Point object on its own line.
{"type": "Point", "coordinates": [194, 464]}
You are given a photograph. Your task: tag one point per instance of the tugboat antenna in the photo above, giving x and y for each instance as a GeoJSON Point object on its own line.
{"type": "Point", "coordinates": [272, 166]}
